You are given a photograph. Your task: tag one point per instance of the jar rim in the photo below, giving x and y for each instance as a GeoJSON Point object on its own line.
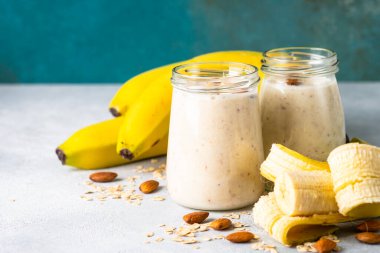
{"type": "Point", "coordinates": [215, 77]}
{"type": "Point", "coordinates": [302, 61]}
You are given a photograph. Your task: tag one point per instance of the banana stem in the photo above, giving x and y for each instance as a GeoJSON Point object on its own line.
{"type": "Point", "coordinates": [126, 154]}
{"type": "Point", "coordinates": [61, 155]}
{"type": "Point", "coordinates": [115, 112]}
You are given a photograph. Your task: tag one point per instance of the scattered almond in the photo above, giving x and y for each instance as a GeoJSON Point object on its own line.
{"type": "Point", "coordinates": [240, 237]}
{"type": "Point", "coordinates": [103, 177]}
{"type": "Point", "coordinates": [149, 186]}
{"type": "Point", "coordinates": [195, 217]}
{"type": "Point", "coordinates": [368, 237]}
{"type": "Point", "coordinates": [221, 224]}
{"type": "Point", "coordinates": [324, 245]}
{"type": "Point", "coordinates": [369, 226]}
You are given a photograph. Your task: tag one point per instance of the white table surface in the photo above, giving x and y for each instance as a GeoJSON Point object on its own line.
{"type": "Point", "coordinates": [40, 205]}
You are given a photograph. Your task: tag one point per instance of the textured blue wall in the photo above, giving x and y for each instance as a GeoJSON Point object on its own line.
{"type": "Point", "coordinates": [112, 40]}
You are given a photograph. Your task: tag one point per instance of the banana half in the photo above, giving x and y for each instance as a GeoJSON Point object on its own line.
{"type": "Point", "coordinates": [282, 159]}
{"type": "Point", "coordinates": [304, 193]}
{"type": "Point", "coordinates": [355, 170]}
{"type": "Point", "coordinates": [293, 230]}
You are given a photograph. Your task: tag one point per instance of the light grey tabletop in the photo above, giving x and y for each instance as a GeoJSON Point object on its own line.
{"type": "Point", "coordinates": [40, 205]}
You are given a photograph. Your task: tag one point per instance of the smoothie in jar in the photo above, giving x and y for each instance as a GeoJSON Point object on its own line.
{"type": "Point", "coordinates": [215, 143]}
{"type": "Point", "coordinates": [300, 101]}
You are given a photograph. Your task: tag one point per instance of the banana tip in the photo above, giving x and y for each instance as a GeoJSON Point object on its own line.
{"type": "Point", "coordinates": [115, 112]}
{"type": "Point", "coordinates": [61, 155]}
{"type": "Point", "coordinates": [126, 154]}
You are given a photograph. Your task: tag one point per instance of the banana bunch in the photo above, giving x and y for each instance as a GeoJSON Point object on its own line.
{"type": "Point", "coordinates": [142, 108]}
{"type": "Point", "coordinates": [306, 192]}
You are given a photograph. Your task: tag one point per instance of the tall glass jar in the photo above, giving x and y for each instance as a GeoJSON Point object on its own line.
{"type": "Point", "coordinates": [215, 142]}
{"type": "Point", "coordinates": [300, 102]}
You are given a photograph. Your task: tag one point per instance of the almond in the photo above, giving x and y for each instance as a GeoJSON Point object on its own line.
{"type": "Point", "coordinates": [149, 186]}
{"type": "Point", "coordinates": [103, 177]}
{"type": "Point", "coordinates": [195, 217]}
{"type": "Point", "coordinates": [368, 237]}
{"type": "Point", "coordinates": [324, 245]}
{"type": "Point", "coordinates": [240, 237]}
{"type": "Point", "coordinates": [221, 224]}
{"type": "Point", "coordinates": [369, 226]}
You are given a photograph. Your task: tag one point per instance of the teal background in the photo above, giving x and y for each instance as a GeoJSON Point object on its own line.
{"type": "Point", "coordinates": [108, 41]}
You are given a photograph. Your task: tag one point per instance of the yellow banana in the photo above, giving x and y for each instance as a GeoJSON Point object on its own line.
{"type": "Point", "coordinates": [93, 147]}
{"type": "Point", "coordinates": [146, 124]}
{"type": "Point", "coordinates": [130, 91]}
{"type": "Point", "coordinates": [147, 121]}
{"type": "Point", "coordinates": [248, 57]}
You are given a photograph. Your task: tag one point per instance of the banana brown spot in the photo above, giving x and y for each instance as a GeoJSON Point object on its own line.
{"type": "Point", "coordinates": [155, 143]}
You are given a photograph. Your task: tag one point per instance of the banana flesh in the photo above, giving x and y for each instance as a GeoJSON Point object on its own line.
{"type": "Point", "coordinates": [356, 179]}
{"type": "Point", "coordinates": [308, 199]}
{"type": "Point", "coordinates": [304, 193]}
{"type": "Point", "coordinates": [282, 159]}
{"type": "Point", "coordinates": [93, 147]}
{"type": "Point", "coordinates": [293, 230]}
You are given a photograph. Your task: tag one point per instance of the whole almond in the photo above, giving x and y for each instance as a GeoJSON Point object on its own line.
{"type": "Point", "coordinates": [240, 237]}
{"type": "Point", "coordinates": [149, 186]}
{"type": "Point", "coordinates": [368, 237]}
{"type": "Point", "coordinates": [324, 245]}
{"type": "Point", "coordinates": [221, 224]}
{"type": "Point", "coordinates": [195, 217]}
{"type": "Point", "coordinates": [103, 177]}
{"type": "Point", "coordinates": [369, 226]}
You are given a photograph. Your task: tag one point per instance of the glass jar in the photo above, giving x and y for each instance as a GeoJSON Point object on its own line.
{"type": "Point", "coordinates": [300, 102]}
{"type": "Point", "coordinates": [215, 142]}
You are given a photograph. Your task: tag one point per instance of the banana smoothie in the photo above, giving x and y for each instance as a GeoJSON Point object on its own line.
{"type": "Point", "coordinates": [307, 117]}
{"type": "Point", "coordinates": [300, 102]}
{"type": "Point", "coordinates": [215, 144]}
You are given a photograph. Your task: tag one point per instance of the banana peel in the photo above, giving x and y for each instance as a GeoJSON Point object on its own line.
{"type": "Point", "coordinates": [93, 147]}
{"type": "Point", "coordinates": [293, 230]}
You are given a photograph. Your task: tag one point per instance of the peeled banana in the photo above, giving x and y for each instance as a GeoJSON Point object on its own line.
{"type": "Point", "coordinates": [355, 170]}
{"type": "Point", "coordinates": [304, 193]}
{"type": "Point", "coordinates": [93, 147]}
{"type": "Point", "coordinates": [147, 121]}
{"type": "Point", "coordinates": [293, 230]}
{"type": "Point", "coordinates": [282, 159]}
